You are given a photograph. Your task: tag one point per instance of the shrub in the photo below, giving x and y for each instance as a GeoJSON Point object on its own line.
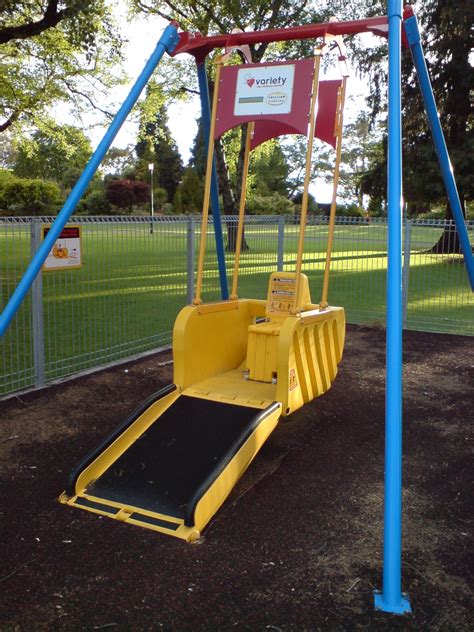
{"type": "Point", "coordinates": [21, 196]}
{"type": "Point", "coordinates": [275, 204]}
{"type": "Point", "coordinates": [160, 196]}
{"type": "Point", "coordinates": [312, 204]}
{"type": "Point", "coordinates": [188, 196]}
{"type": "Point", "coordinates": [349, 210]}
{"type": "Point", "coordinates": [96, 203]}
{"type": "Point", "coordinates": [125, 194]}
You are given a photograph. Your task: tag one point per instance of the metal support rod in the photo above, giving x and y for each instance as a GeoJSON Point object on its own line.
{"type": "Point", "coordinates": [240, 227]}
{"type": "Point", "coordinates": [166, 43]}
{"type": "Point", "coordinates": [207, 185]}
{"type": "Point", "coordinates": [190, 255]}
{"type": "Point", "coordinates": [406, 271]}
{"type": "Point", "coordinates": [413, 36]}
{"type": "Point", "coordinates": [216, 212]}
{"type": "Point", "coordinates": [37, 315]}
{"type": "Point", "coordinates": [307, 177]}
{"type": "Point", "coordinates": [151, 167]}
{"type": "Point", "coordinates": [391, 599]}
{"type": "Point", "coordinates": [332, 217]}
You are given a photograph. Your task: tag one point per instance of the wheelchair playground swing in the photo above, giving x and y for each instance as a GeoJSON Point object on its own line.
{"type": "Point", "coordinates": [240, 364]}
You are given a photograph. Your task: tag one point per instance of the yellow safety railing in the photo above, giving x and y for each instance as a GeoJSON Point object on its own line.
{"type": "Point", "coordinates": [332, 217]}
{"type": "Point", "coordinates": [207, 186]}
{"type": "Point", "coordinates": [304, 204]}
{"type": "Point", "coordinates": [307, 176]}
{"type": "Point", "coordinates": [240, 228]}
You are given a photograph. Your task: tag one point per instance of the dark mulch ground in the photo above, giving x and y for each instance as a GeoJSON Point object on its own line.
{"type": "Point", "coordinates": [298, 544]}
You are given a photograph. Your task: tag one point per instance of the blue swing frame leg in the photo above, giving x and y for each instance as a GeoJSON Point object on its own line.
{"type": "Point", "coordinates": [216, 212]}
{"type": "Point", "coordinates": [391, 598]}
{"type": "Point", "coordinates": [167, 43]}
{"type": "Point", "coordinates": [413, 36]}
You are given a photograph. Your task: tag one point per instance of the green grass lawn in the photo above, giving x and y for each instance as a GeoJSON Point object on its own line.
{"type": "Point", "coordinates": [125, 298]}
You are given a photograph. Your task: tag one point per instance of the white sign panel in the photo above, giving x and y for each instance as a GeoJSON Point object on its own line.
{"type": "Point", "coordinates": [264, 90]}
{"type": "Point", "coordinates": [66, 252]}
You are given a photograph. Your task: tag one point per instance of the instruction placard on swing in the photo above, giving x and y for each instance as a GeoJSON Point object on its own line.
{"type": "Point", "coordinates": [264, 90]}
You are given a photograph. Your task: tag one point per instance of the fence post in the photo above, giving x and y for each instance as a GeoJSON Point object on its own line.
{"type": "Point", "coordinates": [191, 252]}
{"type": "Point", "coordinates": [281, 236]}
{"type": "Point", "coordinates": [37, 317]}
{"type": "Point", "coordinates": [406, 271]}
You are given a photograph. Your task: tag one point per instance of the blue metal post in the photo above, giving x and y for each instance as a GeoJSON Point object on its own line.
{"type": "Point", "coordinates": [167, 42]}
{"type": "Point", "coordinates": [216, 212]}
{"type": "Point", "coordinates": [413, 36]}
{"type": "Point", "coordinates": [391, 598]}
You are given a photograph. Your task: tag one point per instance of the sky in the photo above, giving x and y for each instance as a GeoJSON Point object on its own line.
{"type": "Point", "coordinates": [142, 35]}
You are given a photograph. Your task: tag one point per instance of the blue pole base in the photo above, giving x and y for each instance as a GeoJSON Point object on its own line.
{"type": "Point", "coordinates": [399, 607]}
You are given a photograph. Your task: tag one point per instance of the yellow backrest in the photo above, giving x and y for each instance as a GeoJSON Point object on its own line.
{"type": "Point", "coordinates": [281, 292]}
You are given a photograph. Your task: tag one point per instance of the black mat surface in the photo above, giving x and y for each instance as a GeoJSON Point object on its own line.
{"type": "Point", "coordinates": [185, 449]}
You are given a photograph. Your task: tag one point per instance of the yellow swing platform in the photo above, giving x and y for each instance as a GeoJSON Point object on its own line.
{"type": "Point", "coordinates": [239, 365]}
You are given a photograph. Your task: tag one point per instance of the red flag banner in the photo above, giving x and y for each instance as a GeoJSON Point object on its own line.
{"type": "Point", "coordinates": [277, 96]}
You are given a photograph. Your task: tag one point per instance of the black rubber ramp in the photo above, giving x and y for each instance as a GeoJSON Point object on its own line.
{"type": "Point", "coordinates": [178, 457]}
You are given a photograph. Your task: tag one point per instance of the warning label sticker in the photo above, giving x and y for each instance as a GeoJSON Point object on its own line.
{"type": "Point", "coordinates": [67, 250]}
{"type": "Point", "coordinates": [293, 381]}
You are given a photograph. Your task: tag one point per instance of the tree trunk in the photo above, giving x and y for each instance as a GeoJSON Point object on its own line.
{"type": "Point", "coordinates": [51, 18]}
{"type": "Point", "coordinates": [448, 243]}
{"type": "Point", "coordinates": [232, 226]}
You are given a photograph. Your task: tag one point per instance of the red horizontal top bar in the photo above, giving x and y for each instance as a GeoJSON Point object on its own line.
{"type": "Point", "coordinates": [200, 46]}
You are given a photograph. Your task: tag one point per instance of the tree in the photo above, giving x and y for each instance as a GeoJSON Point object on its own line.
{"type": "Point", "coordinates": [125, 194]}
{"type": "Point", "coordinates": [373, 181]}
{"type": "Point", "coordinates": [448, 41]}
{"type": "Point", "coordinates": [222, 17]}
{"type": "Point", "coordinates": [120, 162]}
{"type": "Point", "coordinates": [312, 204]}
{"type": "Point", "coordinates": [95, 202]}
{"type": "Point", "coordinates": [23, 196]}
{"type": "Point", "coordinates": [269, 170]}
{"type": "Point", "coordinates": [268, 175]}
{"type": "Point", "coordinates": [8, 150]}
{"type": "Point", "coordinates": [271, 204]}
{"type": "Point", "coordinates": [60, 155]}
{"type": "Point", "coordinates": [188, 197]}
{"type": "Point", "coordinates": [156, 143]}
{"type": "Point", "coordinates": [198, 152]}
{"type": "Point", "coordinates": [53, 51]}
{"type": "Point", "coordinates": [362, 143]}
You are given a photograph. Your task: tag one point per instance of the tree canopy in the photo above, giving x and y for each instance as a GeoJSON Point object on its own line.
{"type": "Point", "coordinates": [54, 51]}
{"type": "Point", "coordinates": [156, 144]}
{"type": "Point", "coordinates": [223, 17]}
{"type": "Point", "coordinates": [448, 41]}
{"type": "Point", "coordinates": [65, 51]}
{"type": "Point", "coordinates": [59, 156]}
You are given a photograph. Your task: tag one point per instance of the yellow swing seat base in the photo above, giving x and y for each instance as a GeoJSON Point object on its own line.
{"type": "Point", "coordinates": [249, 350]}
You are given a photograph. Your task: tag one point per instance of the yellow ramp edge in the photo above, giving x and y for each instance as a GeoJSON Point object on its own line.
{"type": "Point", "coordinates": [96, 487]}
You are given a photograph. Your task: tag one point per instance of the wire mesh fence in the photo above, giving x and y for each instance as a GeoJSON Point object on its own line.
{"type": "Point", "coordinates": [139, 272]}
